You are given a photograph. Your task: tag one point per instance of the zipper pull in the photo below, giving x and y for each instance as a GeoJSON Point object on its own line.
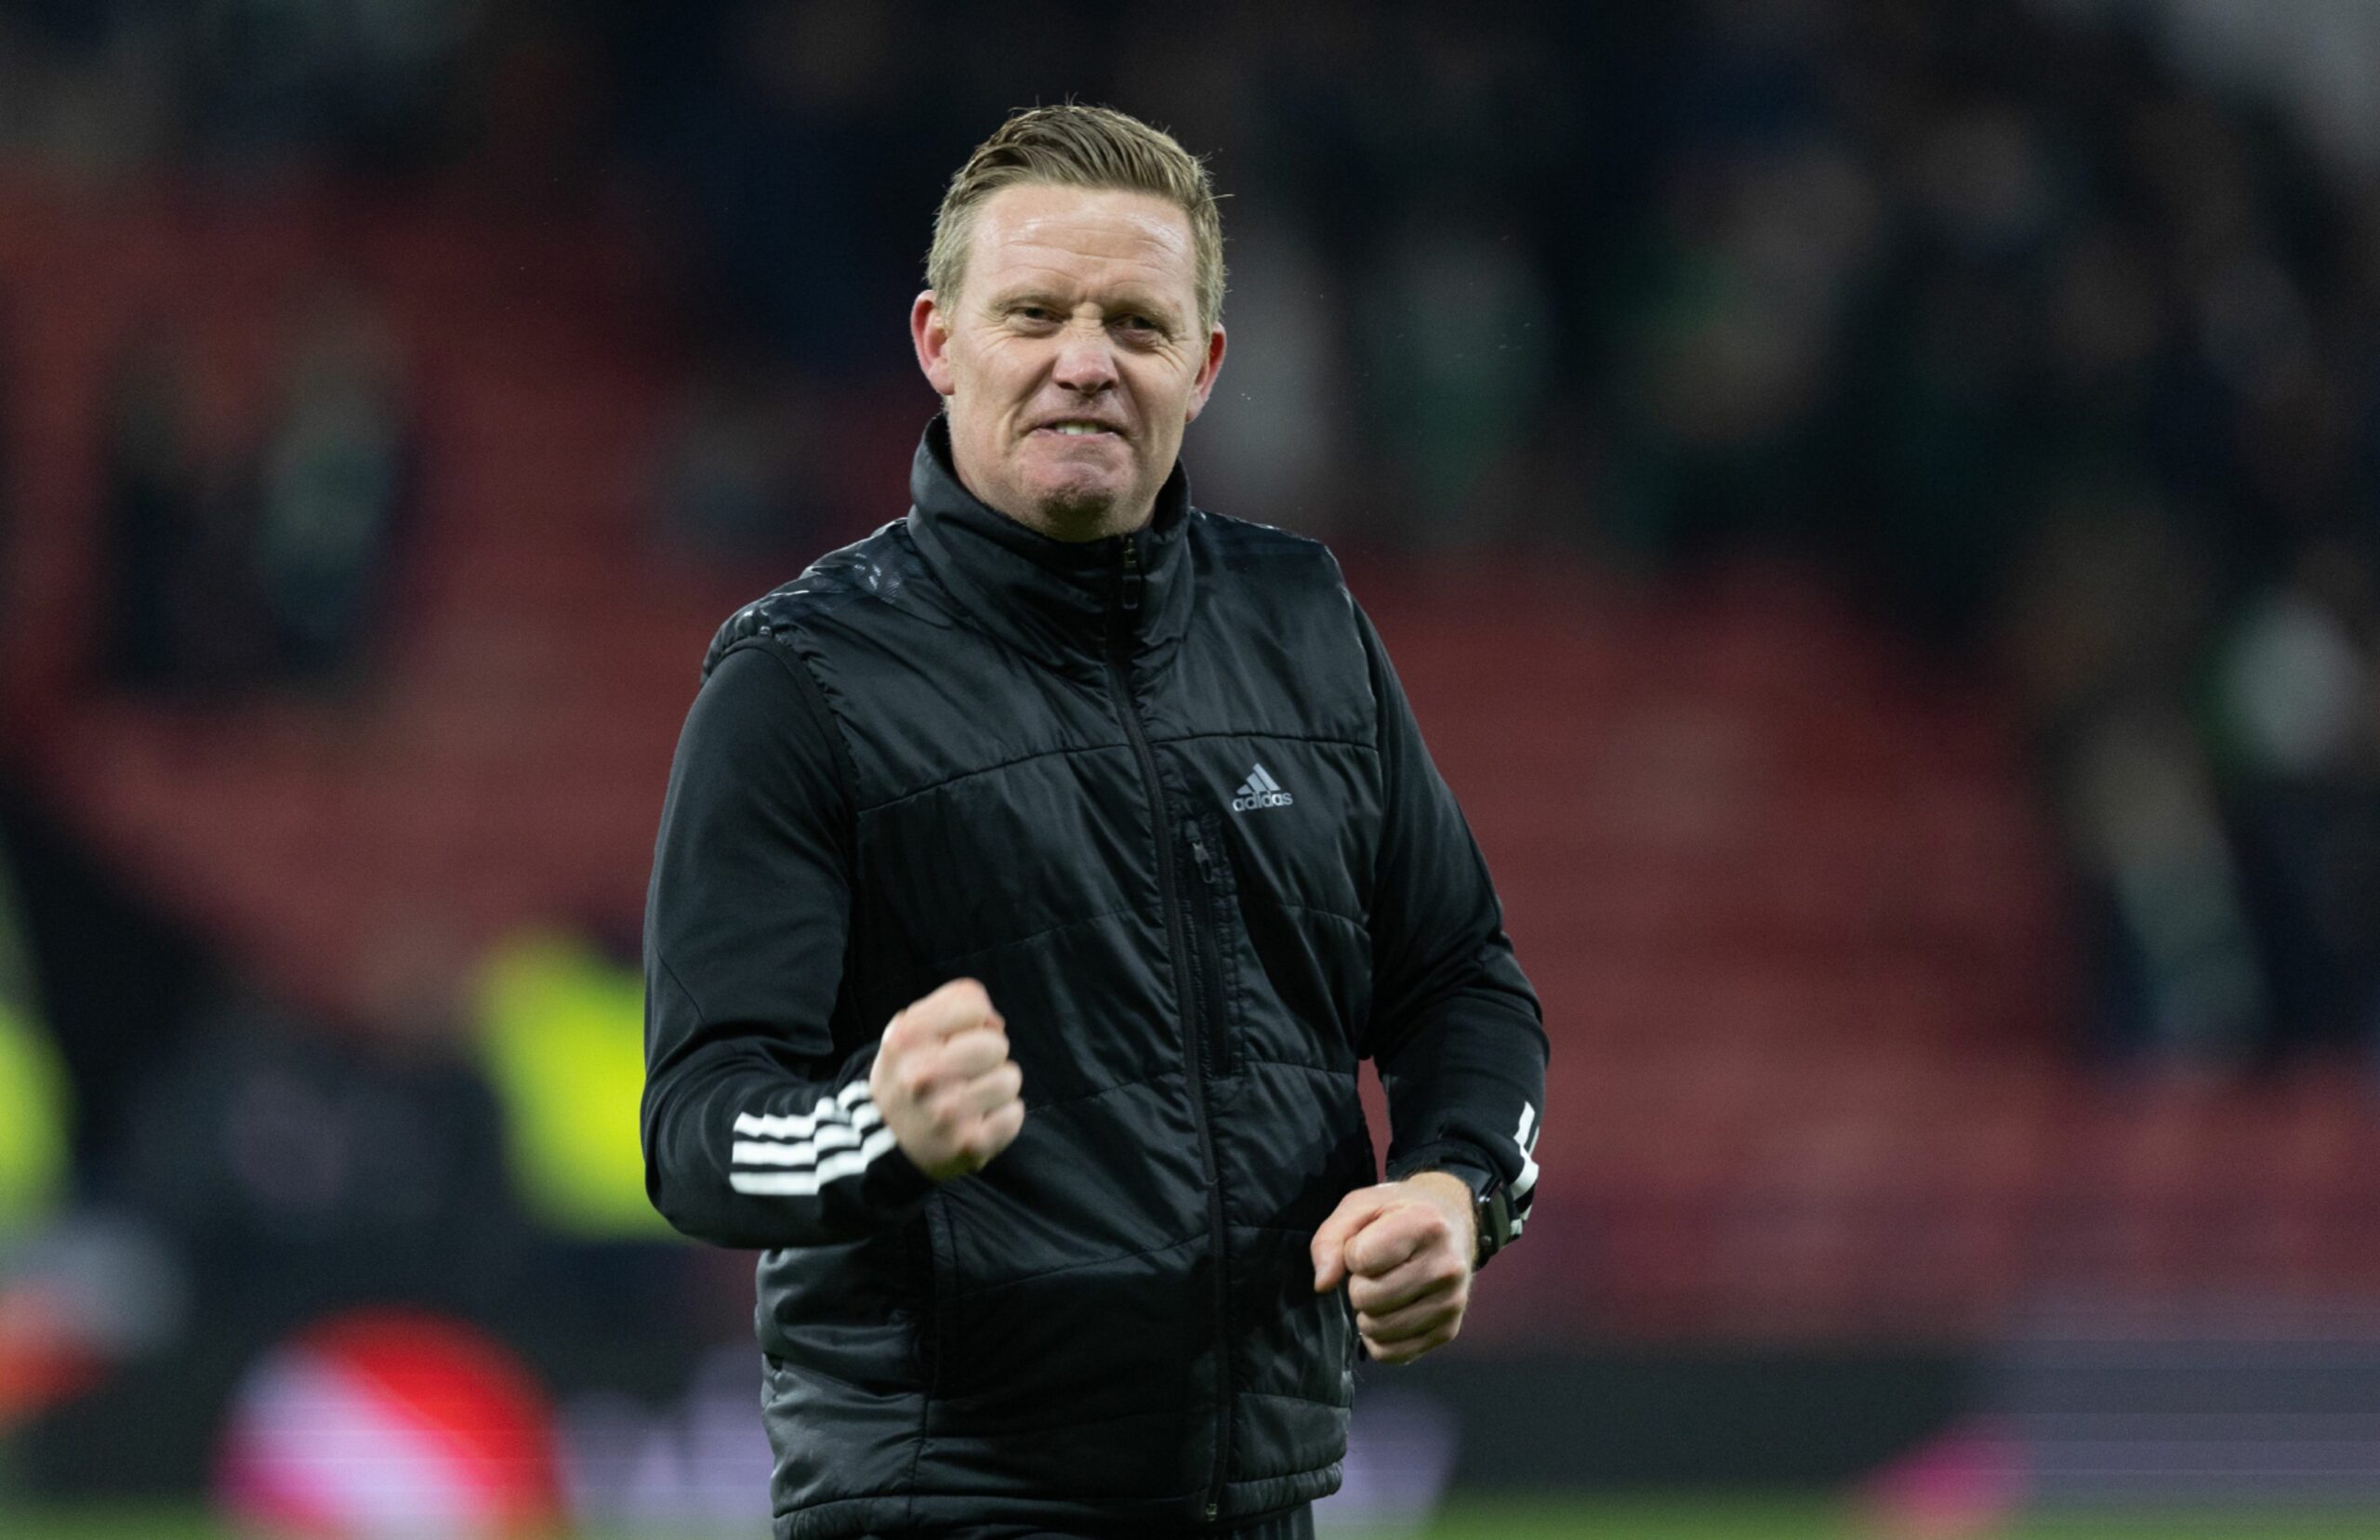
{"type": "Point", "coordinates": [1132, 580]}
{"type": "Point", "coordinates": [1205, 863]}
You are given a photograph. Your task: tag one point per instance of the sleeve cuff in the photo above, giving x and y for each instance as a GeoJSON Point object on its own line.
{"type": "Point", "coordinates": [1456, 1157]}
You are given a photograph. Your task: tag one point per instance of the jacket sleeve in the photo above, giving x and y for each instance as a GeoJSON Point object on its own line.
{"type": "Point", "coordinates": [757, 1132]}
{"type": "Point", "coordinates": [1455, 1029]}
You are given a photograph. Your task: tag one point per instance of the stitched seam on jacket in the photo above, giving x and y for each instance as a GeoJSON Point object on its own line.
{"type": "Point", "coordinates": [1324, 738]}
{"type": "Point", "coordinates": [1102, 1090]}
{"type": "Point", "coordinates": [948, 958]}
{"type": "Point", "coordinates": [956, 776]}
{"type": "Point", "coordinates": [1316, 909]}
{"type": "Point", "coordinates": [671, 971]}
{"type": "Point", "coordinates": [807, 682]}
{"type": "Point", "coordinates": [983, 1289]}
{"type": "Point", "coordinates": [1296, 1064]}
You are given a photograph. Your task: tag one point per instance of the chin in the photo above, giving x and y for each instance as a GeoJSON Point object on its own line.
{"type": "Point", "coordinates": [1077, 501]}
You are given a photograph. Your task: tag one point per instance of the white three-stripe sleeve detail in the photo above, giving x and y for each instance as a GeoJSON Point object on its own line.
{"type": "Point", "coordinates": [838, 1107]}
{"type": "Point", "coordinates": [800, 1126]}
{"type": "Point", "coordinates": [767, 1153]}
{"type": "Point", "coordinates": [797, 1184]}
{"type": "Point", "coordinates": [1526, 1138]}
{"type": "Point", "coordinates": [841, 1136]}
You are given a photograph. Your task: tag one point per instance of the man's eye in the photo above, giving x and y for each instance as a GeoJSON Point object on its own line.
{"type": "Point", "coordinates": [1138, 323]}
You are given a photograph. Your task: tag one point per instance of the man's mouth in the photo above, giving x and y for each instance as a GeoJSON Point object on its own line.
{"type": "Point", "coordinates": [1078, 430]}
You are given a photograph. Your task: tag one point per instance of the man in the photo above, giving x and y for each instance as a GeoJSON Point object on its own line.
{"type": "Point", "coordinates": [1034, 876]}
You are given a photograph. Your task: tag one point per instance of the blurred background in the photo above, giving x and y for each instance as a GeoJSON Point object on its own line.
{"type": "Point", "coordinates": [1876, 502]}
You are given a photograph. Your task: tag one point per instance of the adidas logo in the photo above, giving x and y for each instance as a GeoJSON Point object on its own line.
{"type": "Point", "coordinates": [1259, 790]}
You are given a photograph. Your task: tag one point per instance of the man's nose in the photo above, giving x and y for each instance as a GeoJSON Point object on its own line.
{"type": "Point", "coordinates": [1086, 359]}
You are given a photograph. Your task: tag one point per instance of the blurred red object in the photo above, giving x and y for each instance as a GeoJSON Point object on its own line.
{"type": "Point", "coordinates": [386, 1422]}
{"type": "Point", "coordinates": [45, 1357]}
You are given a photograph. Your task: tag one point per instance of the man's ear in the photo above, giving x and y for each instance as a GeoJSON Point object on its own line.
{"type": "Point", "coordinates": [930, 333]}
{"type": "Point", "coordinates": [1207, 369]}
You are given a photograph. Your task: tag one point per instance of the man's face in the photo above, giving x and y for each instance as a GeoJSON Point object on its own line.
{"type": "Point", "coordinates": [1073, 358]}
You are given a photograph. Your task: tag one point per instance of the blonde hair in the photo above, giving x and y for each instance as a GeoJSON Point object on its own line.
{"type": "Point", "coordinates": [1071, 145]}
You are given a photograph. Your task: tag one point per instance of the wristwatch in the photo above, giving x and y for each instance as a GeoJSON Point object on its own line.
{"type": "Point", "coordinates": [1491, 1211]}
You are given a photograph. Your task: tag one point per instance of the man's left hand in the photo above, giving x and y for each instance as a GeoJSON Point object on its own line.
{"type": "Point", "coordinates": [1403, 1250]}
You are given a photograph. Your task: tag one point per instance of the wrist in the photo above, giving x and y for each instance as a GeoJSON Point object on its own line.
{"type": "Point", "coordinates": [1451, 1192]}
{"type": "Point", "coordinates": [1490, 1204]}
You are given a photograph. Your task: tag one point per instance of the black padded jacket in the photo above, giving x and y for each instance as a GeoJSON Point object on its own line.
{"type": "Point", "coordinates": [1162, 795]}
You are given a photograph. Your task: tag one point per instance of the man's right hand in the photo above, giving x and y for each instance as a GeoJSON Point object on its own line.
{"type": "Point", "coordinates": [945, 1084]}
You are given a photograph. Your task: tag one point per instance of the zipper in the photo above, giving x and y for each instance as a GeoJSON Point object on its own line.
{"type": "Point", "coordinates": [1127, 598]}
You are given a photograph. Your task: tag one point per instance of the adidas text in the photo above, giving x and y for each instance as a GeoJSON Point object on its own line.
{"type": "Point", "coordinates": [1259, 790]}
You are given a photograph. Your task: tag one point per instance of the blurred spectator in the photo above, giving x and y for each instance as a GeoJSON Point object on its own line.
{"type": "Point", "coordinates": [331, 484]}
{"type": "Point", "coordinates": [2107, 614]}
{"type": "Point", "coordinates": [563, 1029]}
{"type": "Point", "coordinates": [2297, 710]}
{"type": "Point", "coordinates": [180, 606]}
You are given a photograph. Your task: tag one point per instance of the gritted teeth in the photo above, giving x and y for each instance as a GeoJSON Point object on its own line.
{"type": "Point", "coordinates": [1078, 429]}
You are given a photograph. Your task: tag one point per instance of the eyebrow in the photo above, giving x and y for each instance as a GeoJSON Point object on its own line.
{"type": "Point", "coordinates": [1133, 303]}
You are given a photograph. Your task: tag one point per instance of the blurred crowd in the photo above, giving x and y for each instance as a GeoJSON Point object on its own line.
{"type": "Point", "coordinates": [2064, 358]}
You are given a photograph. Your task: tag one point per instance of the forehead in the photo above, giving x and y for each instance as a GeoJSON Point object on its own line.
{"type": "Point", "coordinates": [1040, 232]}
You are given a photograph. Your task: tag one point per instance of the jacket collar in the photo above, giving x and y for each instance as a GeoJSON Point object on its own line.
{"type": "Point", "coordinates": [1055, 600]}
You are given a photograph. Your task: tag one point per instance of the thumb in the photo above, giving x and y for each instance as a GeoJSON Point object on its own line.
{"type": "Point", "coordinates": [1355, 1211]}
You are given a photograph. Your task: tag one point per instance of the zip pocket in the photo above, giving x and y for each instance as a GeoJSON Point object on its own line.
{"type": "Point", "coordinates": [1210, 927]}
{"type": "Point", "coordinates": [937, 1333]}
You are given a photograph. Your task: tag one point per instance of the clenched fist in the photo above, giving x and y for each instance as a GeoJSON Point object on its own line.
{"type": "Point", "coordinates": [944, 1082]}
{"type": "Point", "coordinates": [1403, 1250]}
